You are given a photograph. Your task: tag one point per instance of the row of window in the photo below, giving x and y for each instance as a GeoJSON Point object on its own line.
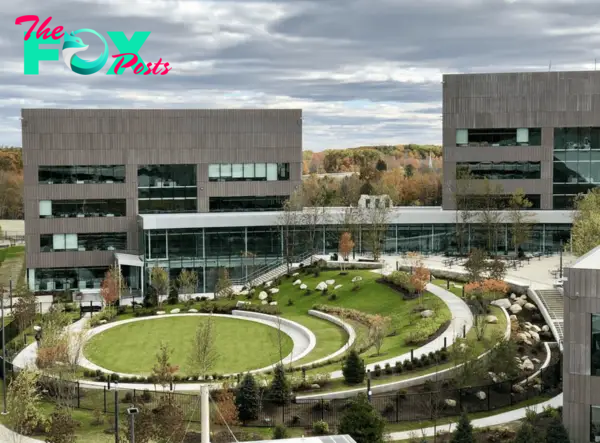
{"type": "Point", "coordinates": [168, 192]}
{"type": "Point", "coordinates": [167, 206]}
{"type": "Point", "coordinates": [576, 138]}
{"type": "Point", "coordinates": [110, 241]}
{"type": "Point", "coordinates": [83, 208]}
{"type": "Point", "coordinates": [246, 204]}
{"type": "Point", "coordinates": [474, 202]}
{"type": "Point", "coordinates": [166, 175]}
{"type": "Point", "coordinates": [248, 172]}
{"type": "Point", "coordinates": [499, 137]}
{"type": "Point", "coordinates": [499, 170]}
{"type": "Point", "coordinates": [81, 174]}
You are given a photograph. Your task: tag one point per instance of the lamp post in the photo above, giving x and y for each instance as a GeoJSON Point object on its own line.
{"type": "Point", "coordinates": [116, 385]}
{"type": "Point", "coordinates": [560, 268]}
{"type": "Point", "coordinates": [4, 411]}
{"type": "Point", "coordinates": [132, 411]}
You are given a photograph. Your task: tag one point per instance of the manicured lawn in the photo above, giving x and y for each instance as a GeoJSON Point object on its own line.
{"type": "Point", "coordinates": [11, 265]}
{"type": "Point", "coordinates": [456, 291]}
{"type": "Point", "coordinates": [131, 348]}
{"type": "Point", "coordinates": [372, 298]}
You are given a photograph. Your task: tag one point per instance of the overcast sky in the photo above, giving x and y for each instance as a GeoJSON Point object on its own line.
{"type": "Point", "coordinates": [363, 71]}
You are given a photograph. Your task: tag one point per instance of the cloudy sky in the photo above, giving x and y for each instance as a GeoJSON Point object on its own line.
{"type": "Point", "coordinates": [364, 71]}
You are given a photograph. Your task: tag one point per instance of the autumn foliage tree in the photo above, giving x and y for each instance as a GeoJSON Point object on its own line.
{"type": "Point", "coordinates": [112, 286]}
{"type": "Point", "coordinates": [346, 246]}
{"type": "Point", "coordinates": [379, 328]}
{"type": "Point", "coordinates": [481, 294]}
{"type": "Point", "coordinates": [164, 371]}
{"type": "Point", "coordinates": [225, 403]}
{"type": "Point", "coordinates": [420, 278]}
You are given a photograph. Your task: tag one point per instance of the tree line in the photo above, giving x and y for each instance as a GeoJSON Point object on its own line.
{"type": "Point", "coordinates": [11, 183]}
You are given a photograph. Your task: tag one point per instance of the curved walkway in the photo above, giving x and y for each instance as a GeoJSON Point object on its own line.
{"type": "Point", "coordinates": [492, 420]}
{"type": "Point", "coordinates": [462, 320]}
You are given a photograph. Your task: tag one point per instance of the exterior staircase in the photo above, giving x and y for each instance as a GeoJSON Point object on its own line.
{"type": "Point", "coordinates": [553, 302]}
{"type": "Point", "coordinates": [273, 271]}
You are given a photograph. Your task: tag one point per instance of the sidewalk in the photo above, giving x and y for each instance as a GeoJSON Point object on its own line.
{"type": "Point", "coordinates": [492, 420]}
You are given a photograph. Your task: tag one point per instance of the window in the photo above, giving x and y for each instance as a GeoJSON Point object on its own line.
{"type": "Point", "coordinates": [500, 170]}
{"type": "Point", "coordinates": [248, 172]}
{"type": "Point", "coordinates": [166, 176]}
{"type": "Point", "coordinates": [81, 174]}
{"type": "Point", "coordinates": [576, 139]}
{"type": "Point", "coordinates": [246, 204]}
{"type": "Point", "coordinates": [53, 279]}
{"type": "Point", "coordinates": [595, 424]}
{"type": "Point", "coordinates": [83, 208]}
{"type": "Point", "coordinates": [150, 206]}
{"type": "Point", "coordinates": [167, 188]}
{"type": "Point", "coordinates": [112, 241]}
{"type": "Point", "coordinates": [595, 345]}
{"type": "Point", "coordinates": [499, 137]}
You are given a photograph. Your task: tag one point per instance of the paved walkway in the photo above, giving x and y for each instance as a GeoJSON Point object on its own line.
{"type": "Point", "coordinates": [8, 436]}
{"type": "Point", "coordinates": [492, 420]}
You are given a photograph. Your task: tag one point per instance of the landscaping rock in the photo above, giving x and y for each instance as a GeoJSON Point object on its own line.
{"type": "Point", "coordinates": [518, 359]}
{"type": "Point", "coordinates": [520, 302]}
{"type": "Point", "coordinates": [527, 365]}
{"type": "Point", "coordinates": [537, 361]}
{"type": "Point", "coordinates": [337, 287]}
{"type": "Point", "coordinates": [513, 318]}
{"type": "Point", "coordinates": [175, 311]}
{"type": "Point", "coordinates": [263, 295]}
{"type": "Point", "coordinates": [494, 377]}
{"type": "Point", "coordinates": [518, 389]}
{"type": "Point", "coordinates": [330, 282]}
{"type": "Point", "coordinates": [244, 292]}
{"type": "Point", "coordinates": [240, 304]}
{"type": "Point", "coordinates": [273, 290]}
{"type": "Point", "coordinates": [530, 307]}
{"type": "Point", "coordinates": [527, 325]}
{"type": "Point", "coordinates": [315, 386]}
{"type": "Point", "coordinates": [102, 322]}
{"type": "Point", "coordinates": [37, 328]}
{"type": "Point", "coordinates": [427, 313]}
{"type": "Point", "coordinates": [357, 279]}
{"type": "Point", "coordinates": [321, 286]}
{"type": "Point", "coordinates": [273, 303]}
{"type": "Point", "coordinates": [521, 337]}
{"type": "Point", "coordinates": [269, 283]}
{"type": "Point", "coordinates": [491, 319]}
{"type": "Point", "coordinates": [264, 302]}
{"type": "Point", "coordinates": [513, 296]}
{"type": "Point", "coordinates": [295, 274]}
{"type": "Point", "coordinates": [545, 328]}
{"type": "Point", "coordinates": [303, 286]}
{"type": "Point", "coordinates": [450, 403]}
{"type": "Point", "coordinates": [192, 310]}
{"type": "Point", "coordinates": [481, 395]}
{"type": "Point", "coordinates": [527, 334]}
{"type": "Point", "coordinates": [515, 309]}
{"type": "Point", "coordinates": [534, 336]}
{"type": "Point", "coordinates": [536, 328]}
{"type": "Point", "coordinates": [502, 303]}
{"type": "Point", "coordinates": [160, 312]}
{"type": "Point", "coordinates": [297, 282]}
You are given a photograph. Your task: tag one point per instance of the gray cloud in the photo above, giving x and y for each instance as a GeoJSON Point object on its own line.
{"type": "Point", "coordinates": [364, 71]}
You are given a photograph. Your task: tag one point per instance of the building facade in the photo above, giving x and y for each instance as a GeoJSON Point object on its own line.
{"type": "Point", "coordinates": [538, 131]}
{"type": "Point", "coordinates": [581, 363]}
{"type": "Point", "coordinates": [88, 174]}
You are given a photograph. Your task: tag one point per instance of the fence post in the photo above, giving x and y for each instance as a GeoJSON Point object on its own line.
{"type": "Point", "coordinates": [445, 344]}
{"type": "Point", "coordinates": [283, 414]}
{"type": "Point", "coordinates": [460, 399]}
{"type": "Point", "coordinates": [397, 408]}
{"type": "Point", "coordinates": [511, 390]}
{"type": "Point", "coordinates": [412, 356]}
{"type": "Point", "coordinates": [488, 397]}
{"type": "Point", "coordinates": [447, 284]}
{"type": "Point", "coordinates": [463, 291]}
{"type": "Point", "coordinates": [322, 409]}
{"type": "Point", "coordinates": [104, 389]}
{"type": "Point", "coordinates": [78, 396]}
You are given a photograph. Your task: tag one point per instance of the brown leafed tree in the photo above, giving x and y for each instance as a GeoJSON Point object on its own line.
{"type": "Point", "coordinates": [521, 221]}
{"type": "Point", "coordinates": [112, 286]}
{"type": "Point", "coordinates": [346, 246]}
{"type": "Point", "coordinates": [225, 403]}
{"type": "Point", "coordinates": [420, 278]}
{"type": "Point", "coordinates": [25, 309]}
{"type": "Point", "coordinates": [379, 328]}
{"type": "Point", "coordinates": [164, 371]}
{"type": "Point", "coordinates": [223, 285]}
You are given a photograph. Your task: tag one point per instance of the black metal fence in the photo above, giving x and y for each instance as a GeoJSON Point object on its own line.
{"type": "Point", "coordinates": [394, 407]}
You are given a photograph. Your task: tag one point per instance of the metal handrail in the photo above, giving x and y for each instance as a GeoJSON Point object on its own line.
{"type": "Point", "coordinates": [268, 268]}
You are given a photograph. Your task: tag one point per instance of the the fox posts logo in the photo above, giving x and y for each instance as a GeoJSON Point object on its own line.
{"type": "Point", "coordinates": [73, 44]}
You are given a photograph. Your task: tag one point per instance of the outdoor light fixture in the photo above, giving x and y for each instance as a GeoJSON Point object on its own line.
{"type": "Point", "coordinates": [132, 412]}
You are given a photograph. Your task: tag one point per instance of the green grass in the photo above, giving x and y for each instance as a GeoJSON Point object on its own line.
{"type": "Point", "coordinates": [11, 264]}
{"type": "Point", "coordinates": [372, 298]}
{"type": "Point", "coordinates": [480, 347]}
{"type": "Point", "coordinates": [131, 348]}
{"type": "Point", "coordinates": [455, 291]}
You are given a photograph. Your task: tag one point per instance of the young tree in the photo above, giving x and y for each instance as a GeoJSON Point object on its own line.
{"type": "Point", "coordinates": [379, 328]}
{"type": "Point", "coordinates": [346, 247]}
{"type": "Point", "coordinates": [350, 221]}
{"type": "Point", "coordinates": [468, 368]}
{"type": "Point", "coordinates": [159, 280]}
{"type": "Point", "coordinates": [112, 286]}
{"type": "Point", "coordinates": [420, 278]}
{"type": "Point", "coordinates": [362, 421]}
{"type": "Point", "coordinates": [376, 224]}
{"type": "Point", "coordinates": [585, 234]}
{"type": "Point", "coordinates": [528, 434]}
{"type": "Point", "coordinates": [289, 219]}
{"type": "Point", "coordinates": [520, 220]}
{"type": "Point", "coordinates": [279, 390]}
{"type": "Point", "coordinates": [476, 265]}
{"type": "Point", "coordinates": [489, 214]}
{"type": "Point", "coordinates": [225, 403]}
{"type": "Point", "coordinates": [463, 201]}
{"type": "Point", "coordinates": [353, 368]}
{"type": "Point", "coordinates": [169, 420]}
{"type": "Point", "coordinates": [464, 431]}
{"type": "Point", "coordinates": [556, 432]}
{"type": "Point", "coordinates": [62, 427]}
{"type": "Point", "coordinates": [24, 402]}
{"type": "Point", "coordinates": [223, 284]}
{"type": "Point", "coordinates": [187, 282]}
{"type": "Point", "coordinates": [25, 309]}
{"type": "Point", "coordinates": [163, 371]}
{"type": "Point", "coordinates": [247, 399]}
{"type": "Point", "coordinates": [204, 353]}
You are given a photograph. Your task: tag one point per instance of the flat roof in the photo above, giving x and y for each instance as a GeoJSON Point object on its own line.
{"type": "Point", "coordinates": [591, 260]}
{"type": "Point", "coordinates": [409, 215]}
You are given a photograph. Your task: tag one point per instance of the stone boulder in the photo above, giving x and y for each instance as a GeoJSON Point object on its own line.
{"type": "Point", "coordinates": [295, 274]}
{"type": "Point", "coordinates": [536, 328]}
{"type": "Point", "coordinates": [521, 302]}
{"type": "Point", "coordinates": [491, 319]}
{"type": "Point", "coordinates": [321, 286]}
{"type": "Point", "coordinates": [241, 304]}
{"type": "Point", "coordinates": [357, 279]}
{"type": "Point", "coordinates": [102, 322]}
{"type": "Point", "coordinates": [513, 318]}
{"type": "Point", "coordinates": [481, 395]}
{"type": "Point", "coordinates": [273, 303]}
{"type": "Point", "coordinates": [175, 311]}
{"type": "Point", "coordinates": [303, 286]}
{"type": "Point", "coordinates": [192, 310]}
{"type": "Point", "coordinates": [518, 389]}
{"type": "Point", "coordinates": [545, 328]}
{"type": "Point", "coordinates": [330, 282]}
{"type": "Point", "coordinates": [264, 302]}
{"type": "Point", "coordinates": [515, 309]}
{"type": "Point", "coordinates": [521, 337]}
{"type": "Point", "coordinates": [502, 303]}
{"type": "Point", "coordinates": [427, 313]}
{"type": "Point", "coordinates": [530, 307]}
{"type": "Point", "coordinates": [315, 386]}
{"type": "Point", "coordinates": [337, 287]}
{"type": "Point", "coordinates": [513, 296]}
{"type": "Point", "coordinates": [263, 295]}
{"type": "Point", "coordinates": [273, 290]}
{"type": "Point", "coordinates": [268, 284]}
{"type": "Point", "coordinates": [160, 312]}
{"type": "Point", "coordinates": [494, 377]}
{"type": "Point", "coordinates": [537, 361]}
{"type": "Point", "coordinates": [527, 365]}
{"type": "Point", "coordinates": [450, 403]}
{"type": "Point", "coordinates": [534, 336]}
{"type": "Point", "coordinates": [297, 282]}
{"type": "Point", "coordinates": [244, 292]}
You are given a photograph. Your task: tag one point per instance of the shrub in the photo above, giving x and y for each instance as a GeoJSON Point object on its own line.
{"type": "Point", "coordinates": [61, 427]}
{"type": "Point", "coordinates": [377, 371]}
{"type": "Point", "coordinates": [428, 386]}
{"type": "Point", "coordinates": [353, 368]}
{"type": "Point", "coordinates": [402, 393]}
{"type": "Point", "coordinates": [320, 428]}
{"type": "Point", "coordinates": [426, 327]}
{"type": "Point", "coordinates": [146, 396]}
{"type": "Point", "coordinates": [290, 302]}
{"type": "Point", "coordinates": [408, 365]}
{"type": "Point", "coordinates": [398, 367]}
{"type": "Point", "coordinates": [280, 432]}
{"type": "Point", "coordinates": [332, 297]}
{"type": "Point", "coordinates": [388, 369]}
{"type": "Point", "coordinates": [128, 397]}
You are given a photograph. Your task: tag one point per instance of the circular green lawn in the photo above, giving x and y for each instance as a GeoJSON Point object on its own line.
{"type": "Point", "coordinates": [242, 345]}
